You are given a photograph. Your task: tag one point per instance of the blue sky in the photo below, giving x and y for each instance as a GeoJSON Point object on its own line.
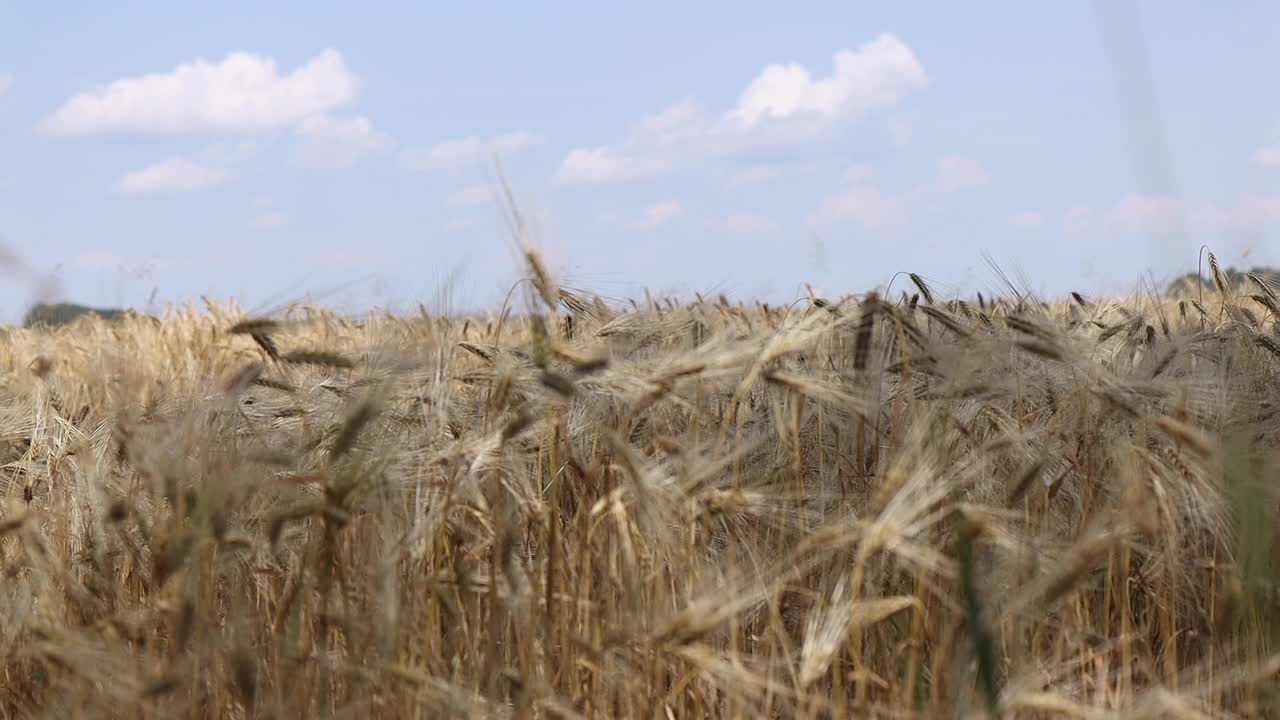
{"type": "Point", "coordinates": [268, 150]}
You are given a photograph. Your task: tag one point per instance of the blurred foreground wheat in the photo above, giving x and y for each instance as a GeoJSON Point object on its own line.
{"type": "Point", "coordinates": [878, 506]}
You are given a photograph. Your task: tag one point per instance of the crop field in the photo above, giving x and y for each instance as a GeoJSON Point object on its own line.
{"type": "Point", "coordinates": [894, 504]}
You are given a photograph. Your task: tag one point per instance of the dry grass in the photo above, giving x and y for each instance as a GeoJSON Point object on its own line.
{"type": "Point", "coordinates": [857, 508]}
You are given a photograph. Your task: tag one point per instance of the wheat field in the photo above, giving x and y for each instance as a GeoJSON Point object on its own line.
{"type": "Point", "coordinates": [893, 504]}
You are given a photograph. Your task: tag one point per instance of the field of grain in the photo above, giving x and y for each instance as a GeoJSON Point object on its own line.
{"type": "Point", "coordinates": [895, 504]}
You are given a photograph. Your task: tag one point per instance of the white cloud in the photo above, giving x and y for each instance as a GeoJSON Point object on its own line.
{"type": "Point", "coordinates": [960, 173]}
{"type": "Point", "coordinates": [1259, 209]}
{"type": "Point", "coordinates": [745, 222]}
{"type": "Point", "coordinates": [1266, 156]}
{"type": "Point", "coordinates": [1080, 219]}
{"type": "Point", "coordinates": [227, 154]}
{"type": "Point", "coordinates": [340, 259]}
{"type": "Point", "coordinates": [754, 174]}
{"type": "Point", "coordinates": [513, 141]}
{"type": "Point", "coordinates": [174, 175]}
{"type": "Point", "coordinates": [271, 219]}
{"type": "Point", "coordinates": [209, 168]}
{"type": "Point", "coordinates": [1145, 213]}
{"type": "Point", "coordinates": [266, 215]}
{"type": "Point", "coordinates": [1027, 219]}
{"type": "Point", "coordinates": [875, 75]}
{"type": "Point", "coordinates": [6, 83]}
{"type": "Point", "coordinates": [659, 214]}
{"type": "Point", "coordinates": [784, 104]}
{"type": "Point", "coordinates": [602, 165]}
{"type": "Point", "coordinates": [326, 141]}
{"type": "Point", "coordinates": [654, 216]}
{"type": "Point", "coordinates": [863, 204]}
{"type": "Point", "coordinates": [465, 151]}
{"type": "Point", "coordinates": [861, 201]}
{"type": "Point", "coordinates": [1251, 211]}
{"type": "Point", "coordinates": [243, 92]}
{"type": "Point", "coordinates": [1137, 213]}
{"type": "Point", "coordinates": [473, 196]}
{"type": "Point", "coordinates": [674, 124]}
{"type": "Point", "coordinates": [901, 129]}
{"type": "Point", "coordinates": [452, 152]}
{"type": "Point", "coordinates": [858, 173]}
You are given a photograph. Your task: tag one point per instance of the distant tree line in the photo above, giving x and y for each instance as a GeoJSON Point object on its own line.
{"type": "Point", "coordinates": [1235, 278]}
{"type": "Point", "coordinates": [55, 314]}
